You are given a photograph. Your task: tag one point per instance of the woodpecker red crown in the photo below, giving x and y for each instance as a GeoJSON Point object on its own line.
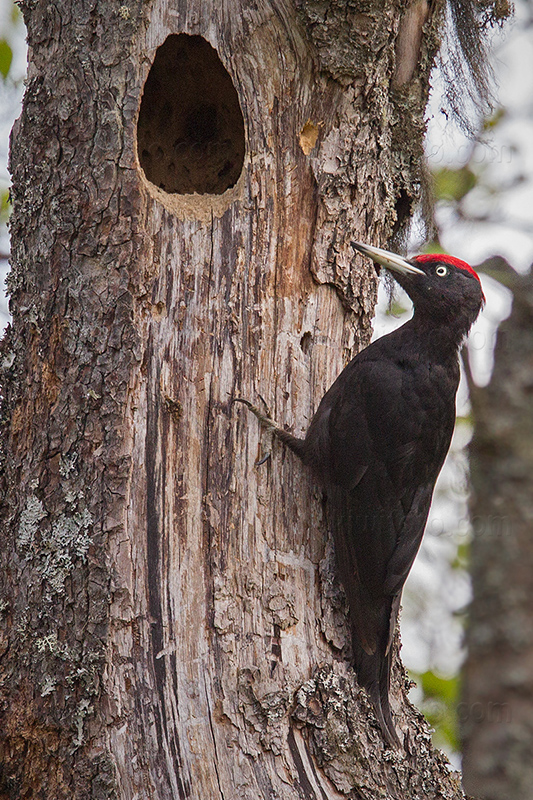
{"type": "Point", "coordinates": [445, 259]}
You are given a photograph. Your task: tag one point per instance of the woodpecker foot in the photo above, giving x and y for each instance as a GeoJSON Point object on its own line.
{"type": "Point", "coordinates": [293, 443]}
{"type": "Point", "coordinates": [264, 419]}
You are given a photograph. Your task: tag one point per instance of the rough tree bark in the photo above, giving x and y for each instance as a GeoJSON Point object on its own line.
{"type": "Point", "coordinates": [171, 624]}
{"type": "Point", "coordinates": [497, 707]}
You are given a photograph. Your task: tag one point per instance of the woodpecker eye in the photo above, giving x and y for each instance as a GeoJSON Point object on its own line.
{"type": "Point", "coordinates": [441, 271]}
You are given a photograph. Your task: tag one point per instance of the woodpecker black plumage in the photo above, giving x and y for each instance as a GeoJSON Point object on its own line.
{"type": "Point", "coordinates": [377, 443]}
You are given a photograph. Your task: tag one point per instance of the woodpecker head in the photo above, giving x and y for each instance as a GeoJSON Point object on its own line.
{"type": "Point", "coordinates": [442, 288]}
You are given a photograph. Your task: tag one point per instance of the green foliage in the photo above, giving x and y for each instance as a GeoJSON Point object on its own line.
{"type": "Point", "coordinates": [493, 121]}
{"type": "Point", "coordinates": [5, 205]}
{"type": "Point", "coordinates": [439, 706]}
{"type": "Point", "coordinates": [11, 29]}
{"type": "Point", "coordinates": [453, 184]}
{"type": "Point", "coordinates": [462, 557]}
{"type": "Point", "coordinates": [6, 57]}
{"type": "Point", "coordinates": [395, 309]}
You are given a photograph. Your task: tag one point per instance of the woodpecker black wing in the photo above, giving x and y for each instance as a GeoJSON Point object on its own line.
{"type": "Point", "coordinates": [375, 446]}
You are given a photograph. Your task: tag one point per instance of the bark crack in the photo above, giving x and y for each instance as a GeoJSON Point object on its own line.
{"type": "Point", "coordinates": [210, 391]}
{"type": "Point", "coordinates": [216, 759]}
{"type": "Point", "coordinates": [305, 780]}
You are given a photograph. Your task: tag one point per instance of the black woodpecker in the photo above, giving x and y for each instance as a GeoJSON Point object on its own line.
{"type": "Point", "coordinates": [377, 444]}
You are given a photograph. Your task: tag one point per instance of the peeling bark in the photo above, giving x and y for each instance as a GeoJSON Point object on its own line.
{"type": "Point", "coordinates": [172, 625]}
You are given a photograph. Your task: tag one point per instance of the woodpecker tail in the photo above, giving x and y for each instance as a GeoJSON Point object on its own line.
{"type": "Point", "coordinates": [373, 666]}
{"type": "Point", "coordinates": [373, 673]}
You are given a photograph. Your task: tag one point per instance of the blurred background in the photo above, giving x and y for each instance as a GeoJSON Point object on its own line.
{"type": "Point", "coordinates": [483, 188]}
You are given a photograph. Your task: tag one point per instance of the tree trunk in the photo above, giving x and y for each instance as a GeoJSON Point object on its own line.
{"type": "Point", "coordinates": [171, 622]}
{"type": "Point", "coordinates": [497, 707]}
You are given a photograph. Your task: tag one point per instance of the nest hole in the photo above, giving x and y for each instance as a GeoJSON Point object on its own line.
{"type": "Point", "coordinates": [190, 132]}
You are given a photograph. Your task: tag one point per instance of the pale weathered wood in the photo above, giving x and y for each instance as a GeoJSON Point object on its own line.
{"type": "Point", "coordinates": [188, 639]}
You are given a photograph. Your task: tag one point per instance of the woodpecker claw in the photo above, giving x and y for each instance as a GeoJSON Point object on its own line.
{"type": "Point", "coordinates": [264, 419]}
{"type": "Point", "coordinates": [267, 407]}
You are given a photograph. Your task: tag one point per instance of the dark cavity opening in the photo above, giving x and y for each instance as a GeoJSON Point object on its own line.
{"type": "Point", "coordinates": [190, 132]}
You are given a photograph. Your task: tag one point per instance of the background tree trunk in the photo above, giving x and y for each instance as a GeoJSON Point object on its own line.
{"type": "Point", "coordinates": [497, 707]}
{"type": "Point", "coordinates": [171, 622]}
